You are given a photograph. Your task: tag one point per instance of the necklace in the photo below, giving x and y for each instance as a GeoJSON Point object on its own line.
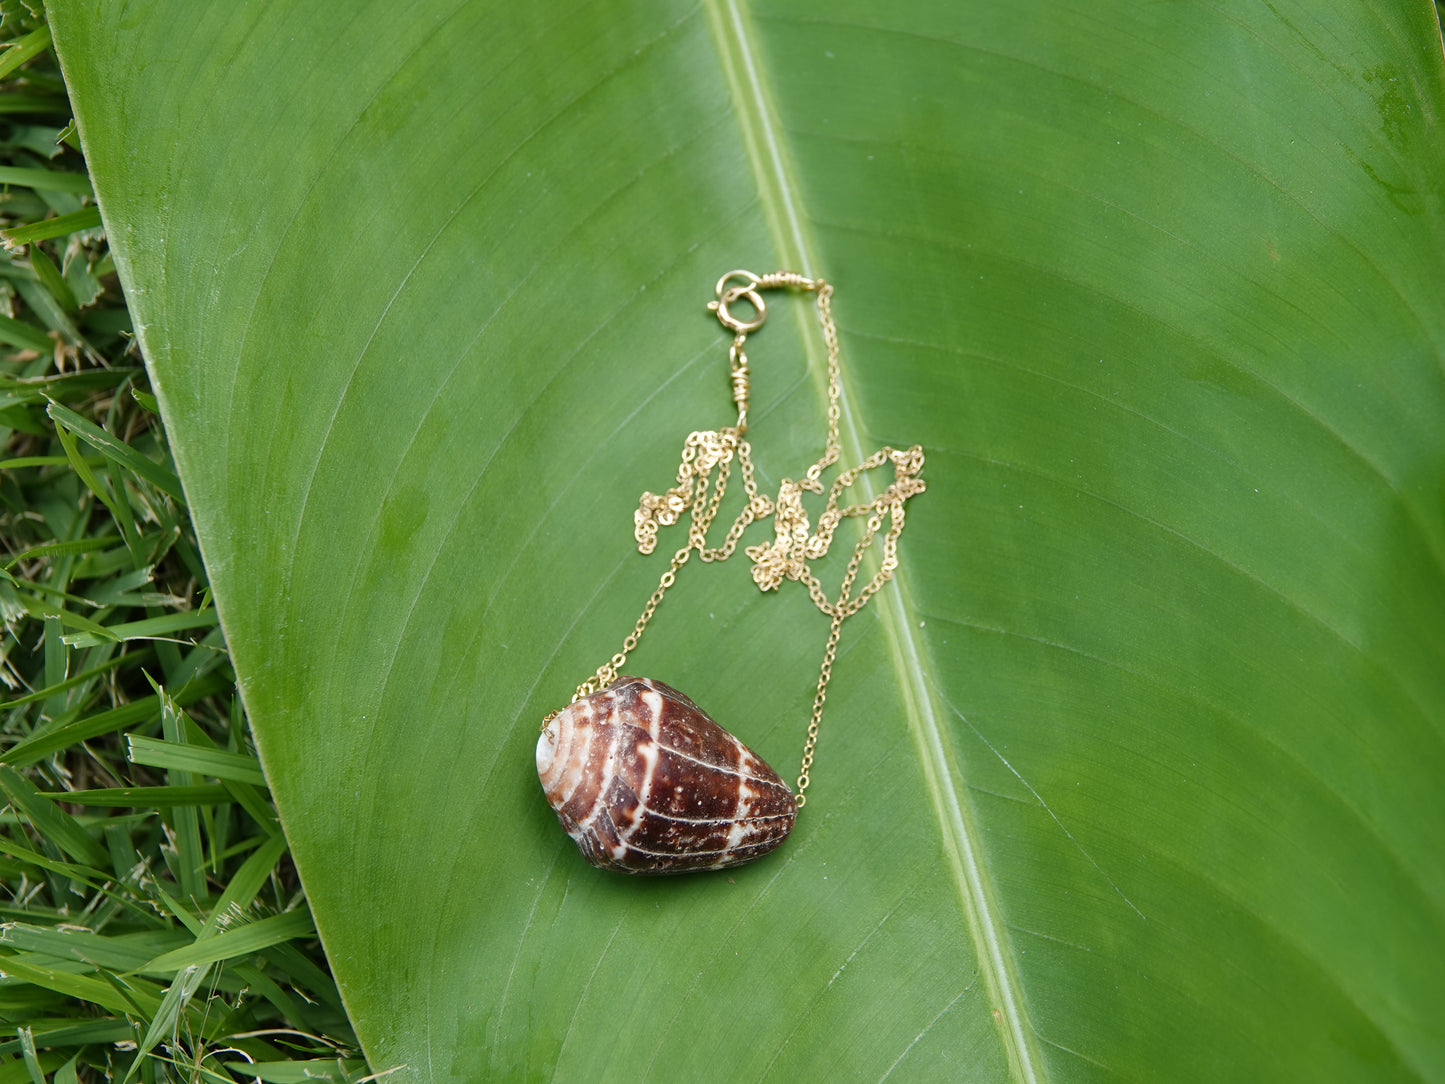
{"type": "Point", "coordinates": [640, 777]}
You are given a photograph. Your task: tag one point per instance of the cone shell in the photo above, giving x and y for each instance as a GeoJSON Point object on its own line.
{"type": "Point", "coordinates": [645, 782]}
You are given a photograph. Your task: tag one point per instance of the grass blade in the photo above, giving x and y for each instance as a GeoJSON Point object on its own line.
{"type": "Point", "coordinates": [26, 336]}
{"type": "Point", "coordinates": [46, 180]}
{"type": "Point", "coordinates": [149, 628]}
{"type": "Point", "coordinates": [43, 743]}
{"type": "Point", "coordinates": [18, 52]}
{"type": "Point", "coordinates": [50, 821]}
{"type": "Point", "coordinates": [82, 988]}
{"type": "Point", "coordinates": [246, 940]}
{"type": "Point", "coordinates": [87, 218]}
{"type": "Point", "coordinates": [28, 1052]}
{"type": "Point", "coordinates": [163, 797]}
{"type": "Point", "coordinates": [189, 855]}
{"type": "Point", "coordinates": [241, 892]}
{"type": "Point", "coordinates": [216, 763]}
{"type": "Point", "coordinates": [334, 1070]}
{"type": "Point", "coordinates": [163, 1021]}
{"type": "Point", "coordinates": [64, 549]}
{"type": "Point", "coordinates": [49, 276]}
{"type": "Point", "coordinates": [157, 475]}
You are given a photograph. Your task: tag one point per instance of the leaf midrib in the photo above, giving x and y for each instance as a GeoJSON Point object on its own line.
{"type": "Point", "coordinates": [780, 197]}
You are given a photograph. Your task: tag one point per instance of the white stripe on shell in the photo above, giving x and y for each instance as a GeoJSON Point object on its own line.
{"type": "Point", "coordinates": [609, 772]}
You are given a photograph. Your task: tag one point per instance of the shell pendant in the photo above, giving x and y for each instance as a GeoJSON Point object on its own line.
{"type": "Point", "coordinates": [645, 782]}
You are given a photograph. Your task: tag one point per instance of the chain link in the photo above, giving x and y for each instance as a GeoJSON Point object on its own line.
{"type": "Point", "coordinates": [702, 479]}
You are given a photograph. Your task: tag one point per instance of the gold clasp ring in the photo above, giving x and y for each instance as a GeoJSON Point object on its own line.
{"type": "Point", "coordinates": [726, 295]}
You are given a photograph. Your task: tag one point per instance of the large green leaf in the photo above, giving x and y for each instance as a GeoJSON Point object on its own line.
{"type": "Point", "coordinates": [1135, 772]}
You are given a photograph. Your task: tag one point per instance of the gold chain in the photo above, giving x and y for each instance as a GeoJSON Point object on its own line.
{"type": "Point", "coordinates": [702, 478]}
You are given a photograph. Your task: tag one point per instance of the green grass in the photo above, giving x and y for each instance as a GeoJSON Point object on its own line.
{"type": "Point", "coordinates": [153, 926]}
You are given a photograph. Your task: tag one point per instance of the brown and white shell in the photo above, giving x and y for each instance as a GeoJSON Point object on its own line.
{"type": "Point", "coordinates": [645, 782]}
